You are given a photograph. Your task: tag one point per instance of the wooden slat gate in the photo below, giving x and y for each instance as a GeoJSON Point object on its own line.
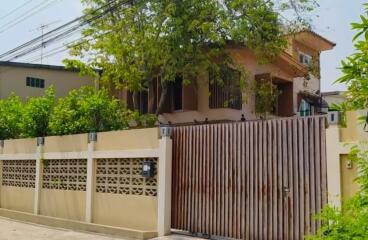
{"type": "Point", "coordinates": [251, 180]}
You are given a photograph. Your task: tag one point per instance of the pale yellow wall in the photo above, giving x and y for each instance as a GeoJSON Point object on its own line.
{"type": "Point", "coordinates": [13, 79]}
{"type": "Point", "coordinates": [128, 140]}
{"type": "Point", "coordinates": [349, 186]}
{"type": "Point", "coordinates": [354, 130]}
{"type": "Point", "coordinates": [339, 141]}
{"type": "Point", "coordinates": [128, 211]}
{"type": "Point", "coordinates": [69, 143]}
{"type": "Point", "coordinates": [28, 145]}
{"type": "Point", "coordinates": [17, 198]}
{"type": "Point", "coordinates": [63, 204]}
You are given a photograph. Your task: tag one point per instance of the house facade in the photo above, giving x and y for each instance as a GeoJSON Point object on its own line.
{"type": "Point", "coordinates": [296, 73]}
{"type": "Point", "coordinates": [30, 80]}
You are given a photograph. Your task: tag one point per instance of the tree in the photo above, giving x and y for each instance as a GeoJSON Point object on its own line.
{"type": "Point", "coordinates": [354, 68]}
{"type": "Point", "coordinates": [144, 40]}
{"type": "Point", "coordinates": [37, 114]}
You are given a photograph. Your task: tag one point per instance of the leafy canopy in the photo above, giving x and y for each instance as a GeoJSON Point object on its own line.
{"type": "Point", "coordinates": [145, 39]}
{"type": "Point", "coordinates": [355, 67]}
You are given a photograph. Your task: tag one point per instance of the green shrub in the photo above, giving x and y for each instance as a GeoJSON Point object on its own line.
{"type": "Point", "coordinates": [37, 113]}
{"type": "Point", "coordinates": [81, 111]}
{"type": "Point", "coordinates": [11, 112]}
{"type": "Point", "coordinates": [85, 110]}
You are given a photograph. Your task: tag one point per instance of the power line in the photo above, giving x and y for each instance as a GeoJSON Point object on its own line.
{"type": "Point", "coordinates": [61, 32]}
{"type": "Point", "coordinates": [15, 10]}
{"type": "Point", "coordinates": [63, 48]}
{"type": "Point", "coordinates": [40, 7]}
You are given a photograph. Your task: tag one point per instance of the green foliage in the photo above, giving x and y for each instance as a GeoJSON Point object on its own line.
{"type": "Point", "coordinates": [145, 39]}
{"type": "Point", "coordinates": [266, 97]}
{"type": "Point", "coordinates": [354, 68]}
{"type": "Point", "coordinates": [351, 221]}
{"type": "Point", "coordinates": [83, 110]}
{"type": "Point", "coordinates": [11, 111]}
{"type": "Point", "coordinates": [37, 113]}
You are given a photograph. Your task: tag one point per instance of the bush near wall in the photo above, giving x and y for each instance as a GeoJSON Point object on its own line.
{"type": "Point", "coordinates": [81, 111]}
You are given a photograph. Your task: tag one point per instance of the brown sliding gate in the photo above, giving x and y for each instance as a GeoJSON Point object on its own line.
{"type": "Point", "coordinates": [251, 180]}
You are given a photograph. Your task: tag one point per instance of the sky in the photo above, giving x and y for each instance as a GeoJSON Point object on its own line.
{"type": "Point", "coordinates": [20, 21]}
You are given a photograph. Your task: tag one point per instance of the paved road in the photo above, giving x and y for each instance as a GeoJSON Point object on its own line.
{"type": "Point", "coordinates": [13, 230]}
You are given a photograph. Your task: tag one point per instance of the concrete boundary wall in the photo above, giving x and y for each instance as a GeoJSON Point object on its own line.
{"type": "Point", "coordinates": [88, 182]}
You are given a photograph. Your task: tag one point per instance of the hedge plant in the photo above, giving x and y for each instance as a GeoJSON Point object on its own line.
{"type": "Point", "coordinates": [81, 111]}
{"type": "Point", "coordinates": [11, 111]}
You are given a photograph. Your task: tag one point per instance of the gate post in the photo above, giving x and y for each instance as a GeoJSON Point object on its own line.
{"type": "Point", "coordinates": [164, 182]}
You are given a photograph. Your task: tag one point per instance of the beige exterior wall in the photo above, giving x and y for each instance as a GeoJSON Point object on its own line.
{"type": "Point", "coordinates": [341, 184]}
{"type": "Point", "coordinates": [19, 146]}
{"type": "Point", "coordinates": [128, 211]}
{"type": "Point", "coordinates": [128, 140]}
{"type": "Point", "coordinates": [63, 204]}
{"type": "Point", "coordinates": [69, 143]}
{"type": "Point", "coordinates": [349, 173]}
{"type": "Point", "coordinates": [17, 198]}
{"type": "Point", "coordinates": [251, 63]}
{"type": "Point", "coordinates": [13, 79]}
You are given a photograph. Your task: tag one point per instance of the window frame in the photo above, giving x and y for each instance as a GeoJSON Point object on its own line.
{"type": "Point", "coordinates": [228, 94]}
{"type": "Point", "coordinates": [303, 56]}
{"type": "Point", "coordinates": [35, 82]}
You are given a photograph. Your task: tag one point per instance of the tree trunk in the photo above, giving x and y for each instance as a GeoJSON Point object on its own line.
{"type": "Point", "coordinates": [163, 97]}
{"type": "Point", "coordinates": [151, 96]}
{"type": "Point", "coordinates": [135, 99]}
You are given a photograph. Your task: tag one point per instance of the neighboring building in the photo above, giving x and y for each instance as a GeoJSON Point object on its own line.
{"type": "Point", "coordinates": [30, 80]}
{"type": "Point", "coordinates": [332, 98]}
{"type": "Point", "coordinates": [296, 72]}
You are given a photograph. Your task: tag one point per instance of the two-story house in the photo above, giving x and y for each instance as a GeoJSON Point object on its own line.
{"type": "Point", "coordinates": [30, 80]}
{"type": "Point", "coordinates": [296, 72]}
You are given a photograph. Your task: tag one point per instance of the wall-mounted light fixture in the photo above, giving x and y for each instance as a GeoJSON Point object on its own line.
{"type": "Point", "coordinates": [148, 169]}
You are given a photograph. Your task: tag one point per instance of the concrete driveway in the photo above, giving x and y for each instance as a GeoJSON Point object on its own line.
{"type": "Point", "coordinates": [13, 230]}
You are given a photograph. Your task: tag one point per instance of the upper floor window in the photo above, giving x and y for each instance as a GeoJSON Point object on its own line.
{"type": "Point", "coordinates": [35, 82]}
{"type": "Point", "coordinates": [305, 59]}
{"type": "Point", "coordinates": [227, 92]}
